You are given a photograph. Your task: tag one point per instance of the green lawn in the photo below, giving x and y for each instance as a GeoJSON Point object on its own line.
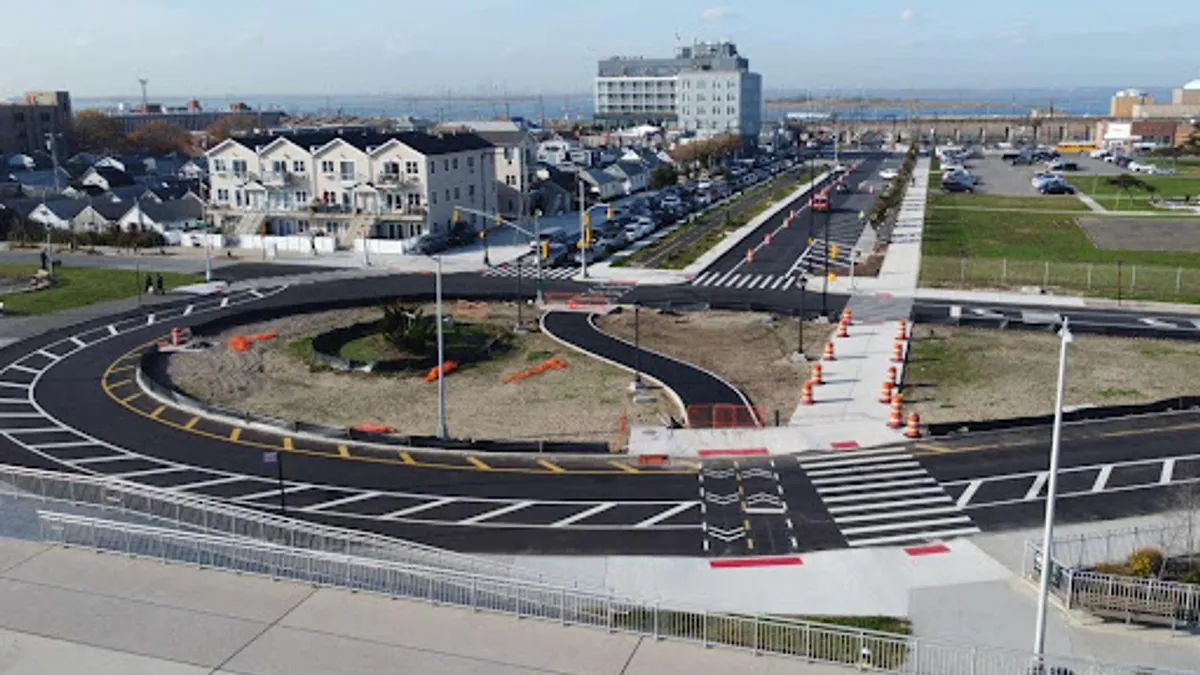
{"type": "Point", "coordinates": [1166, 187]}
{"type": "Point", "coordinates": [1038, 203]}
{"type": "Point", "coordinates": [79, 286]}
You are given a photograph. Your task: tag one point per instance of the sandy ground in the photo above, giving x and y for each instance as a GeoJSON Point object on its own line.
{"type": "Point", "coordinates": [1143, 234]}
{"type": "Point", "coordinates": [978, 374]}
{"type": "Point", "coordinates": [751, 351]}
{"type": "Point", "coordinates": [583, 402]}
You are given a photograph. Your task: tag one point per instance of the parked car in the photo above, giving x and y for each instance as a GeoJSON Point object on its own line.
{"type": "Point", "coordinates": [1056, 188]}
{"type": "Point", "coordinates": [956, 186]}
{"type": "Point", "coordinates": [889, 174]}
{"type": "Point", "coordinates": [1160, 170]}
{"type": "Point", "coordinates": [430, 243]}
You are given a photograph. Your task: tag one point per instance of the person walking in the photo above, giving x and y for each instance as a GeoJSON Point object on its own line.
{"type": "Point", "coordinates": [45, 260]}
{"type": "Point", "coordinates": [158, 284]}
{"type": "Point", "coordinates": [149, 284]}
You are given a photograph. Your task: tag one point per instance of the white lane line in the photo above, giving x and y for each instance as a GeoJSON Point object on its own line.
{"type": "Point", "coordinates": [224, 302]}
{"type": "Point", "coordinates": [842, 499]}
{"type": "Point", "coordinates": [906, 525]}
{"type": "Point", "coordinates": [722, 280]}
{"type": "Point", "coordinates": [778, 281]}
{"type": "Point", "coordinates": [788, 283]}
{"type": "Point", "coordinates": [61, 444]}
{"type": "Point", "coordinates": [1102, 478]}
{"type": "Point", "coordinates": [766, 511]}
{"type": "Point", "coordinates": [915, 537]}
{"type": "Point", "coordinates": [149, 472]}
{"type": "Point", "coordinates": [188, 310]}
{"type": "Point", "coordinates": [903, 464]}
{"type": "Point", "coordinates": [743, 281]}
{"type": "Point", "coordinates": [15, 400]}
{"type": "Point", "coordinates": [968, 493]}
{"type": "Point", "coordinates": [893, 515]}
{"type": "Point", "coordinates": [19, 416]}
{"type": "Point", "coordinates": [14, 385]}
{"type": "Point", "coordinates": [495, 513]}
{"type": "Point", "coordinates": [43, 352]}
{"type": "Point", "coordinates": [270, 493]}
{"type": "Point", "coordinates": [1038, 484]}
{"type": "Point", "coordinates": [39, 430]}
{"type": "Point", "coordinates": [673, 511]}
{"type": "Point", "coordinates": [24, 369]}
{"type": "Point", "coordinates": [583, 515]}
{"type": "Point", "coordinates": [112, 330]}
{"type": "Point", "coordinates": [358, 497]}
{"type": "Point", "coordinates": [255, 292]}
{"type": "Point", "coordinates": [103, 458]}
{"type": "Point", "coordinates": [941, 499]}
{"type": "Point", "coordinates": [881, 485]}
{"type": "Point", "coordinates": [1168, 471]}
{"type": "Point", "coordinates": [150, 319]}
{"type": "Point", "coordinates": [78, 342]}
{"type": "Point", "coordinates": [419, 507]}
{"type": "Point", "coordinates": [760, 281]}
{"type": "Point", "coordinates": [838, 456]}
{"type": "Point", "coordinates": [862, 477]}
{"type": "Point", "coordinates": [213, 481]}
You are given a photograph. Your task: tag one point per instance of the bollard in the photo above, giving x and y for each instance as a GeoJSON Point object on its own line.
{"type": "Point", "coordinates": [828, 356]}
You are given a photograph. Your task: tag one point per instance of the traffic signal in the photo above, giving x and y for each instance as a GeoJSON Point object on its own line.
{"type": "Point", "coordinates": [609, 213]}
{"type": "Point", "coordinates": [587, 218]}
{"type": "Point", "coordinates": [455, 218]}
{"type": "Point", "coordinates": [545, 250]}
{"type": "Point", "coordinates": [833, 250]}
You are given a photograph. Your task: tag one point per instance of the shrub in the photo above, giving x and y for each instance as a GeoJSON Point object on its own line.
{"type": "Point", "coordinates": [1117, 569]}
{"type": "Point", "coordinates": [1146, 562]}
{"type": "Point", "coordinates": [1192, 577]}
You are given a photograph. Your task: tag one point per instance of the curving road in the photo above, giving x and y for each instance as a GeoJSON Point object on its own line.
{"type": "Point", "coordinates": [68, 401]}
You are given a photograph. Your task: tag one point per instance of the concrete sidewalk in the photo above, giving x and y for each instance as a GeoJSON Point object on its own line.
{"type": "Point", "coordinates": [65, 610]}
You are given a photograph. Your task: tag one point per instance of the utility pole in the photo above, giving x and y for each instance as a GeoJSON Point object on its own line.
{"type": "Point", "coordinates": [441, 352]}
{"type": "Point", "coordinates": [583, 227]}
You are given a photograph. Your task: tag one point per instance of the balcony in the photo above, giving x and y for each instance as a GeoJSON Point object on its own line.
{"type": "Point", "coordinates": [278, 179]}
{"type": "Point", "coordinates": [394, 180]}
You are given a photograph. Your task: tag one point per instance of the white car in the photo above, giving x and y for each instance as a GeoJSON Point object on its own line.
{"type": "Point", "coordinates": [888, 174]}
{"type": "Point", "coordinates": [1160, 170]}
{"type": "Point", "coordinates": [1099, 154]}
{"type": "Point", "coordinates": [1046, 177]}
{"type": "Point", "coordinates": [840, 168]}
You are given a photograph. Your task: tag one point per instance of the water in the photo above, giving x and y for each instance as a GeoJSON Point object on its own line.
{"type": "Point", "coordinates": [1076, 101]}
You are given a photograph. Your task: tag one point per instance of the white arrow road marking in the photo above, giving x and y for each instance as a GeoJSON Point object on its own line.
{"type": "Point", "coordinates": [726, 535]}
{"type": "Point", "coordinates": [1158, 323]}
{"type": "Point", "coordinates": [721, 499]}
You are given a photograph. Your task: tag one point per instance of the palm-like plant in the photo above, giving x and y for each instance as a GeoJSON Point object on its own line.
{"type": "Point", "coordinates": [409, 330]}
{"type": "Point", "coordinates": [1127, 183]}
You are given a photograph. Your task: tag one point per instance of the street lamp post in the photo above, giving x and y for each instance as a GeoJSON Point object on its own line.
{"type": "Point", "coordinates": [441, 352]}
{"type": "Point", "coordinates": [637, 348]}
{"type": "Point", "coordinates": [536, 234]}
{"type": "Point", "coordinates": [825, 277]}
{"type": "Point", "coordinates": [800, 318]}
{"type": "Point", "coordinates": [1039, 638]}
{"type": "Point", "coordinates": [483, 235]}
{"type": "Point", "coordinates": [584, 240]}
{"type": "Point", "coordinates": [537, 239]}
{"type": "Point", "coordinates": [207, 244]}
{"type": "Point", "coordinates": [520, 327]}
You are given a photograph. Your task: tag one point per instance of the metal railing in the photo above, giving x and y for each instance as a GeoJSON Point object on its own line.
{"type": "Point", "coordinates": [1177, 538]}
{"type": "Point", "coordinates": [1110, 280]}
{"type": "Point", "coordinates": [803, 640]}
{"type": "Point", "coordinates": [210, 516]}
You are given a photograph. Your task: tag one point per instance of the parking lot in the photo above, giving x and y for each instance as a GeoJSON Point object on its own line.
{"type": "Point", "coordinates": [998, 177]}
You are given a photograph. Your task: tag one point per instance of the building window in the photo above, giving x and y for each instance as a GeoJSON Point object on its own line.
{"type": "Point", "coordinates": [219, 165]}
{"type": "Point", "coordinates": [447, 194]}
{"type": "Point", "coordinates": [414, 199]}
{"type": "Point", "coordinates": [457, 194]}
{"type": "Point", "coordinates": [471, 164]}
{"type": "Point", "coordinates": [471, 191]}
{"type": "Point", "coordinates": [301, 197]}
{"type": "Point", "coordinates": [223, 195]}
{"type": "Point", "coordinates": [391, 168]}
{"type": "Point", "coordinates": [298, 166]}
{"type": "Point", "coordinates": [432, 167]}
{"type": "Point", "coordinates": [278, 166]}
{"type": "Point", "coordinates": [433, 198]}
{"type": "Point", "coordinates": [454, 163]}
{"type": "Point", "coordinates": [445, 165]}
{"type": "Point", "coordinates": [510, 180]}
{"type": "Point", "coordinates": [411, 168]}
{"type": "Point", "coordinates": [326, 166]}
{"type": "Point", "coordinates": [508, 155]}
{"type": "Point", "coordinates": [239, 168]}
{"type": "Point", "coordinates": [347, 170]}
{"type": "Point", "coordinates": [329, 197]}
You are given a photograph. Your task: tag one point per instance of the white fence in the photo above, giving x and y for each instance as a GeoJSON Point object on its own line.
{"type": "Point", "coordinates": [802, 640]}
{"type": "Point", "coordinates": [200, 239]}
{"type": "Point", "coordinates": [275, 244]}
{"type": "Point", "coordinates": [384, 246]}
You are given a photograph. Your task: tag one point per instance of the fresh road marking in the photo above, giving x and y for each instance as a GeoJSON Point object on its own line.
{"type": "Point", "coordinates": [235, 433]}
{"type": "Point", "coordinates": [582, 515]}
{"type": "Point", "coordinates": [112, 330]}
{"type": "Point", "coordinates": [343, 451]}
{"type": "Point", "coordinates": [407, 458]}
{"type": "Point", "coordinates": [191, 423]}
{"type": "Point", "coordinates": [419, 507]}
{"type": "Point", "coordinates": [551, 466]}
{"type": "Point", "coordinates": [479, 463]}
{"type": "Point", "coordinates": [495, 513]}
{"type": "Point", "coordinates": [968, 493]}
{"type": "Point", "coordinates": [120, 383]}
{"type": "Point", "coordinates": [1168, 471]}
{"type": "Point", "coordinates": [673, 511]}
{"type": "Point", "coordinates": [287, 443]}
{"type": "Point", "coordinates": [622, 466]}
{"type": "Point", "coordinates": [133, 397]}
{"type": "Point", "coordinates": [1102, 478]}
{"type": "Point", "coordinates": [1038, 483]}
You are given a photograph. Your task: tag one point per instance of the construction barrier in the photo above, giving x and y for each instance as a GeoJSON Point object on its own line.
{"type": "Point", "coordinates": [816, 376]}
{"type": "Point", "coordinates": [806, 394]}
{"type": "Point", "coordinates": [374, 428]}
{"type": "Point", "coordinates": [901, 330]}
{"type": "Point", "coordinates": [843, 329]}
{"type": "Point", "coordinates": [557, 298]}
{"type": "Point", "coordinates": [444, 369]}
{"type": "Point", "coordinates": [723, 416]}
{"type": "Point", "coordinates": [885, 394]}
{"type": "Point", "coordinates": [549, 364]}
{"type": "Point", "coordinates": [913, 430]}
{"type": "Point", "coordinates": [653, 460]}
{"type": "Point", "coordinates": [828, 355]}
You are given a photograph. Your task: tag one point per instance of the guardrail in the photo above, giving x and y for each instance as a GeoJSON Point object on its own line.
{"type": "Point", "coordinates": [200, 514]}
{"type": "Point", "coordinates": [802, 640]}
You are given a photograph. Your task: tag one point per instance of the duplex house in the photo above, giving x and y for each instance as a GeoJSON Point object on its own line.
{"type": "Point", "coordinates": [350, 183]}
{"type": "Point", "coordinates": [515, 158]}
{"type": "Point", "coordinates": [632, 176]}
{"type": "Point", "coordinates": [105, 178]}
{"type": "Point", "coordinates": [178, 214]}
{"type": "Point", "coordinates": [99, 214]}
{"type": "Point", "coordinates": [57, 213]}
{"type": "Point", "coordinates": [601, 184]}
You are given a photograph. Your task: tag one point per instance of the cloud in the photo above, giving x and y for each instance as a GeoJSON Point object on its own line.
{"type": "Point", "coordinates": [399, 47]}
{"type": "Point", "coordinates": [716, 13]}
{"type": "Point", "coordinates": [907, 15]}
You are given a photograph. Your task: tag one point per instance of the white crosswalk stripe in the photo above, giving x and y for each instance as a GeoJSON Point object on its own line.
{"type": "Point", "coordinates": [529, 272]}
{"type": "Point", "coordinates": [755, 282]}
{"type": "Point", "coordinates": [885, 498]}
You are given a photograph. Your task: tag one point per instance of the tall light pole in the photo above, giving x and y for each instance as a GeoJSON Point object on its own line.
{"type": "Point", "coordinates": [1039, 637]}
{"type": "Point", "coordinates": [207, 243]}
{"type": "Point", "coordinates": [441, 352]}
{"type": "Point", "coordinates": [825, 277]}
{"type": "Point", "coordinates": [537, 238]}
{"type": "Point", "coordinates": [584, 239]}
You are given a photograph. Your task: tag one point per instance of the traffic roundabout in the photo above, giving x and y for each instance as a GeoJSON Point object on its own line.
{"type": "Point", "coordinates": [73, 400]}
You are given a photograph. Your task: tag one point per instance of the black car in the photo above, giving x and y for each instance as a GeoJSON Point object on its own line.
{"type": "Point", "coordinates": [1056, 189]}
{"type": "Point", "coordinates": [841, 187]}
{"type": "Point", "coordinates": [955, 186]}
{"type": "Point", "coordinates": [1022, 160]}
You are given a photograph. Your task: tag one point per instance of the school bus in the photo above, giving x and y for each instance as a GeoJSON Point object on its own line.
{"type": "Point", "coordinates": [1076, 147]}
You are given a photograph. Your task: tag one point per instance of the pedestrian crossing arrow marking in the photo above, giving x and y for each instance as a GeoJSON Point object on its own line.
{"type": "Point", "coordinates": [718, 473]}
{"type": "Point", "coordinates": [731, 534]}
{"type": "Point", "coordinates": [757, 473]}
{"type": "Point", "coordinates": [721, 499]}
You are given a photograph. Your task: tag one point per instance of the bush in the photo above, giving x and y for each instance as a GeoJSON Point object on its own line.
{"type": "Point", "coordinates": [1115, 569]}
{"type": "Point", "coordinates": [1192, 577]}
{"type": "Point", "coordinates": [1146, 562]}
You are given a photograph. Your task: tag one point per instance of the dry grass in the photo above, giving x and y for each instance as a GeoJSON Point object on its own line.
{"type": "Point", "coordinates": [582, 402]}
{"type": "Point", "coordinates": [751, 351]}
{"type": "Point", "coordinates": [959, 374]}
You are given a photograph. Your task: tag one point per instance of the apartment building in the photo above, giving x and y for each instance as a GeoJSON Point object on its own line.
{"type": "Point", "coordinates": [516, 161]}
{"type": "Point", "coordinates": [706, 89]}
{"type": "Point", "coordinates": [350, 184]}
{"type": "Point", "coordinates": [26, 123]}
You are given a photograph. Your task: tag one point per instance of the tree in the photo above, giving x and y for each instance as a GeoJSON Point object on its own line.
{"type": "Point", "coordinates": [409, 330]}
{"type": "Point", "coordinates": [1191, 145]}
{"type": "Point", "coordinates": [664, 176]}
{"type": "Point", "coordinates": [97, 132]}
{"type": "Point", "coordinates": [227, 126]}
{"type": "Point", "coordinates": [160, 138]}
{"type": "Point", "coordinates": [1127, 183]}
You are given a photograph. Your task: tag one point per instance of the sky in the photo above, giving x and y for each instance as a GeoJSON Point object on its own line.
{"type": "Point", "coordinates": [342, 47]}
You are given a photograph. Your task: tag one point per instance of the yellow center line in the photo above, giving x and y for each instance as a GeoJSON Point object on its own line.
{"type": "Point", "coordinates": [191, 423]}
{"type": "Point", "coordinates": [479, 463]}
{"type": "Point", "coordinates": [407, 458]}
{"type": "Point", "coordinates": [551, 466]}
{"type": "Point", "coordinates": [158, 411]}
{"type": "Point", "coordinates": [235, 433]}
{"type": "Point", "coordinates": [133, 397]}
{"type": "Point", "coordinates": [622, 466]}
{"type": "Point", "coordinates": [287, 443]}
{"type": "Point", "coordinates": [343, 451]}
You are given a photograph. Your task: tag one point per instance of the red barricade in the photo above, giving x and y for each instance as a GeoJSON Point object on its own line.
{"type": "Point", "coordinates": [723, 416]}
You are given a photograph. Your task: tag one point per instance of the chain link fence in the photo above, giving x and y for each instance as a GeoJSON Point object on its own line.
{"type": "Point", "coordinates": [802, 640]}
{"type": "Point", "coordinates": [1112, 280]}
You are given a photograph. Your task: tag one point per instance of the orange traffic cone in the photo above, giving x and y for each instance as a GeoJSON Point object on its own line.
{"type": "Point", "coordinates": [815, 377]}
{"type": "Point", "coordinates": [913, 430]}
{"type": "Point", "coordinates": [828, 356]}
{"type": "Point", "coordinates": [885, 394]}
{"type": "Point", "coordinates": [843, 330]}
{"type": "Point", "coordinates": [895, 419]}
{"type": "Point", "coordinates": [806, 393]}
{"type": "Point", "coordinates": [749, 255]}
{"type": "Point", "coordinates": [176, 336]}
{"type": "Point", "coordinates": [902, 330]}
{"type": "Point", "coordinates": [892, 376]}
{"type": "Point", "coordinates": [847, 315]}
{"type": "Point", "coordinates": [898, 352]}
{"type": "Point", "coordinates": [767, 240]}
